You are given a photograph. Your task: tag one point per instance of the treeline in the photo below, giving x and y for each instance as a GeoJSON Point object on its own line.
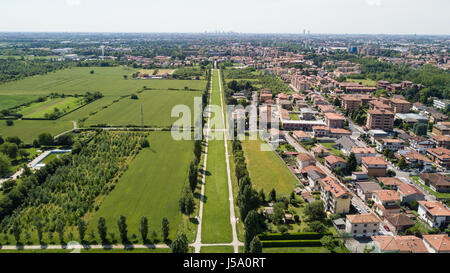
{"type": "Point", "coordinates": [14, 69]}
{"type": "Point", "coordinates": [188, 73]}
{"type": "Point", "coordinates": [66, 188]}
{"type": "Point", "coordinates": [248, 201]}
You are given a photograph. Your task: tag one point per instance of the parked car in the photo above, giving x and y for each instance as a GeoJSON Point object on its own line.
{"type": "Point", "coordinates": [387, 228]}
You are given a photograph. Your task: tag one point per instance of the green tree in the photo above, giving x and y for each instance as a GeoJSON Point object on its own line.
{"type": "Point", "coordinates": [82, 226]}
{"type": "Point", "coordinates": [144, 228]}
{"type": "Point", "coordinates": [17, 230]}
{"type": "Point", "coordinates": [352, 163]}
{"type": "Point", "coordinates": [60, 230]}
{"type": "Point", "coordinates": [38, 225]}
{"type": "Point", "coordinates": [123, 229]}
{"type": "Point", "coordinates": [315, 211]}
{"type": "Point", "coordinates": [180, 244]}
{"type": "Point", "coordinates": [5, 165]}
{"type": "Point", "coordinates": [402, 163]}
{"type": "Point", "coordinates": [256, 245]}
{"type": "Point", "coordinates": [328, 243]}
{"type": "Point", "coordinates": [253, 226]}
{"type": "Point", "coordinates": [420, 129]}
{"type": "Point", "coordinates": [165, 229]}
{"type": "Point", "coordinates": [272, 196]}
{"type": "Point", "coordinates": [102, 229]}
{"type": "Point", "coordinates": [45, 139]}
{"type": "Point", "coordinates": [278, 213]}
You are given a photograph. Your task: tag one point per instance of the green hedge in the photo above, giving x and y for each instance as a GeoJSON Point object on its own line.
{"type": "Point", "coordinates": [291, 243]}
{"type": "Point", "coordinates": [293, 236]}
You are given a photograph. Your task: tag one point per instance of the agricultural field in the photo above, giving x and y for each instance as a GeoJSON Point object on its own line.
{"type": "Point", "coordinates": [42, 110]}
{"type": "Point", "coordinates": [267, 171]}
{"type": "Point", "coordinates": [28, 130]}
{"type": "Point", "coordinates": [364, 82]}
{"type": "Point", "coordinates": [9, 101]}
{"type": "Point", "coordinates": [78, 80]}
{"type": "Point", "coordinates": [156, 107]}
{"type": "Point", "coordinates": [151, 187]}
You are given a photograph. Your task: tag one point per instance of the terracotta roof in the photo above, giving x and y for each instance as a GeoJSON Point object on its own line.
{"type": "Point", "coordinates": [440, 242]}
{"type": "Point", "coordinates": [332, 159]}
{"type": "Point", "coordinates": [435, 208]}
{"type": "Point", "coordinates": [410, 244]}
{"type": "Point", "coordinates": [334, 116]}
{"type": "Point", "coordinates": [305, 157]}
{"type": "Point", "coordinates": [387, 195]}
{"type": "Point", "coordinates": [362, 218]}
{"type": "Point", "coordinates": [390, 181]}
{"type": "Point", "coordinates": [399, 219]}
{"type": "Point", "coordinates": [374, 160]}
{"type": "Point", "coordinates": [301, 134]}
{"type": "Point", "coordinates": [312, 168]}
{"type": "Point", "coordinates": [340, 131]}
{"type": "Point", "coordinates": [334, 187]}
{"type": "Point", "coordinates": [362, 150]}
{"type": "Point", "coordinates": [408, 189]}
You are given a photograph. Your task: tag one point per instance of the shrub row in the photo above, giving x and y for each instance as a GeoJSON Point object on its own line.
{"type": "Point", "coordinates": [291, 243]}
{"type": "Point", "coordinates": [292, 236]}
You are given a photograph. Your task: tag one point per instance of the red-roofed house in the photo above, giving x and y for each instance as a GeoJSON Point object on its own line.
{"type": "Point", "coordinates": [434, 213]}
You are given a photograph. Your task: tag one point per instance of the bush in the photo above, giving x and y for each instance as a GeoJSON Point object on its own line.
{"type": "Point", "coordinates": [291, 243]}
{"type": "Point", "coordinates": [9, 123]}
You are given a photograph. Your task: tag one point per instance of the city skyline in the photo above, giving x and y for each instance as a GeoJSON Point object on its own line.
{"type": "Point", "coordinates": [198, 16]}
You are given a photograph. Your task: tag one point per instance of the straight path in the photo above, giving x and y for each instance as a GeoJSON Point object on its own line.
{"type": "Point", "coordinates": [235, 242]}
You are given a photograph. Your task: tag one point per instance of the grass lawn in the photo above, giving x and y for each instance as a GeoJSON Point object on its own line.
{"type": "Point", "coordinates": [137, 250]}
{"type": "Point", "coordinates": [217, 249]}
{"type": "Point", "coordinates": [156, 105]}
{"type": "Point", "coordinates": [40, 109]}
{"type": "Point", "coordinates": [267, 170]}
{"type": "Point", "coordinates": [294, 116]}
{"type": "Point", "coordinates": [78, 80]}
{"type": "Point", "coordinates": [329, 146]}
{"type": "Point", "coordinates": [365, 82]}
{"type": "Point", "coordinates": [442, 195]}
{"type": "Point", "coordinates": [295, 250]}
{"type": "Point", "coordinates": [7, 101]}
{"type": "Point", "coordinates": [28, 130]}
{"type": "Point", "coordinates": [151, 187]}
{"type": "Point", "coordinates": [216, 213]}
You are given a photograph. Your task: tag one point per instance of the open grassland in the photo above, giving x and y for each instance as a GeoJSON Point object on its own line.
{"type": "Point", "coordinates": [79, 80]}
{"type": "Point", "coordinates": [151, 187]}
{"type": "Point", "coordinates": [267, 171]}
{"type": "Point", "coordinates": [216, 213]}
{"type": "Point", "coordinates": [296, 250]}
{"type": "Point", "coordinates": [156, 107]}
{"type": "Point", "coordinates": [28, 130]}
{"type": "Point", "coordinates": [364, 82]}
{"type": "Point", "coordinates": [135, 250]}
{"type": "Point", "coordinates": [217, 249]}
{"type": "Point", "coordinates": [41, 109]}
{"type": "Point", "coordinates": [7, 101]}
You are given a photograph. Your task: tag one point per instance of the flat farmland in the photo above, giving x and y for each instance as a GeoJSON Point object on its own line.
{"type": "Point", "coordinates": [79, 80]}
{"type": "Point", "coordinates": [28, 130]}
{"type": "Point", "coordinates": [150, 187]}
{"type": "Point", "coordinates": [7, 101]}
{"type": "Point", "coordinates": [41, 109]}
{"type": "Point", "coordinates": [267, 171]}
{"type": "Point", "coordinates": [156, 105]}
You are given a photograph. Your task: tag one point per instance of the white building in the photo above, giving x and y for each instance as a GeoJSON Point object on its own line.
{"type": "Point", "coordinates": [434, 213]}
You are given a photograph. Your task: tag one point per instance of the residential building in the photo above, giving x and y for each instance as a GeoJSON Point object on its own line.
{"type": "Point", "coordinates": [363, 152]}
{"type": "Point", "coordinates": [400, 106]}
{"type": "Point", "coordinates": [409, 193]}
{"type": "Point", "coordinates": [305, 160]}
{"type": "Point", "coordinates": [398, 222]}
{"type": "Point", "coordinates": [440, 156]}
{"type": "Point", "coordinates": [440, 103]}
{"type": "Point", "coordinates": [334, 120]}
{"type": "Point", "coordinates": [301, 136]}
{"type": "Point", "coordinates": [392, 144]}
{"type": "Point", "coordinates": [365, 189]}
{"type": "Point", "coordinates": [333, 162]}
{"type": "Point", "coordinates": [398, 244]}
{"type": "Point", "coordinates": [346, 144]}
{"type": "Point", "coordinates": [351, 103]}
{"type": "Point", "coordinates": [335, 197]}
{"type": "Point", "coordinates": [380, 119]}
{"type": "Point", "coordinates": [386, 202]}
{"type": "Point", "coordinates": [374, 166]}
{"type": "Point", "coordinates": [436, 181]}
{"type": "Point", "coordinates": [434, 213]}
{"type": "Point", "coordinates": [390, 182]}
{"type": "Point", "coordinates": [437, 243]}
{"type": "Point", "coordinates": [362, 225]}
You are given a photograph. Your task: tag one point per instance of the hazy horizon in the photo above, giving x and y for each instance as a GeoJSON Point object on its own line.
{"type": "Point", "coordinates": [376, 17]}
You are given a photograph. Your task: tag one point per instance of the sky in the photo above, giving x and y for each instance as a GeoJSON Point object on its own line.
{"type": "Point", "coordinates": [246, 16]}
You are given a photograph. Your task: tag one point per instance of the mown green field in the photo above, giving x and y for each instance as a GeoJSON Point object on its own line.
{"type": "Point", "coordinates": [79, 80]}
{"type": "Point", "coordinates": [69, 251]}
{"type": "Point", "coordinates": [28, 130]}
{"type": "Point", "coordinates": [217, 249]}
{"type": "Point", "coordinates": [7, 101]}
{"type": "Point", "coordinates": [150, 187]}
{"type": "Point", "coordinates": [267, 171]}
{"type": "Point", "coordinates": [40, 109]}
{"type": "Point", "coordinates": [216, 226]}
{"type": "Point", "coordinates": [156, 106]}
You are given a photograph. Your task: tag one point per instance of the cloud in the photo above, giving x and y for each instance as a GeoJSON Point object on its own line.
{"type": "Point", "coordinates": [373, 3]}
{"type": "Point", "coordinates": [73, 3]}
